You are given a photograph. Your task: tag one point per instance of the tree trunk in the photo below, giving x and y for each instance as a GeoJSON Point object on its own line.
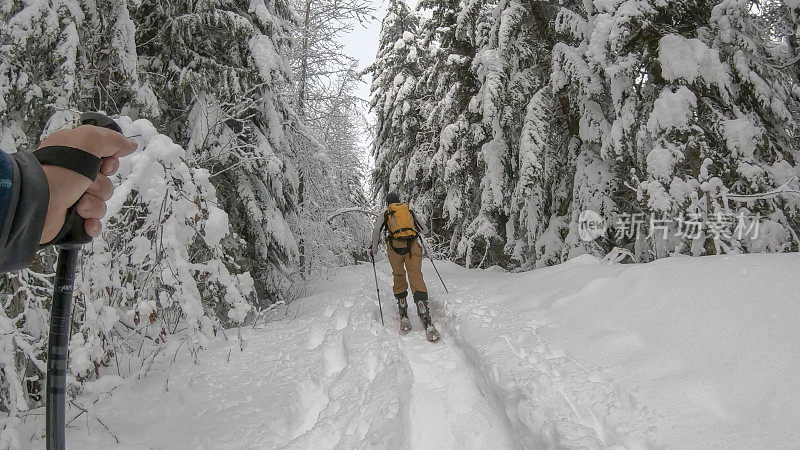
{"type": "Point", "coordinates": [302, 92]}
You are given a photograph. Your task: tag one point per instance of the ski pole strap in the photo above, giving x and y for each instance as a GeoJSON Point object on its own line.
{"type": "Point", "coordinates": [70, 158]}
{"type": "Point", "coordinates": [78, 161]}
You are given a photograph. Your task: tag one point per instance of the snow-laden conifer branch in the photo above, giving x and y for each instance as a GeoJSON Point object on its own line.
{"type": "Point", "coordinates": [780, 190]}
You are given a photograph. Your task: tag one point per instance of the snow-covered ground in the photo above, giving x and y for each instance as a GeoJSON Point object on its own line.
{"type": "Point", "coordinates": [679, 353]}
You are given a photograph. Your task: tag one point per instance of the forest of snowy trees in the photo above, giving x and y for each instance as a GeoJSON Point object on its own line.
{"type": "Point", "coordinates": [504, 120]}
{"type": "Point", "coordinates": [248, 130]}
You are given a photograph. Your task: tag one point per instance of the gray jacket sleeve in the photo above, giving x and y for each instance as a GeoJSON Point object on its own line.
{"type": "Point", "coordinates": [376, 232]}
{"type": "Point", "coordinates": [24, 196]}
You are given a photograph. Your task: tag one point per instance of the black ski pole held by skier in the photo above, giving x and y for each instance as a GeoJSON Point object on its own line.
{"type": "Point", "coordinates": [425, 247]}
{"type": "Point", "coordinates": [68, 242]}
{"type": "Point", "coordinates": [375, 271]}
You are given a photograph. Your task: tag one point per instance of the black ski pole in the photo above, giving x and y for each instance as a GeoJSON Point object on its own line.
{"type": "Point", "coordinates": [375, 271]}
{"type": "Point", "coordinates": [424, 247]}
{"type": "Point", "coordinates": [68, 242]}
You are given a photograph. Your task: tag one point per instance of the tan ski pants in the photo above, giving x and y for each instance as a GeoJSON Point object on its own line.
{"type": "Point", "coordinates": [411, 262]}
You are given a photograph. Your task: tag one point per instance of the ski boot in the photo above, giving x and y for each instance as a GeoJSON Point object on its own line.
{"type": "Point", "coordinates": [402, 306]}
{"type": "Point", "coordinates": [421, 299]}
{"type": "Point", "coordinates": [431, 333]}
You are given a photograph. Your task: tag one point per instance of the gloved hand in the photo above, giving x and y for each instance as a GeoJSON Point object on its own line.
{"type": "Point", "coordinates": [67, 187]}
{"type": "Point", "coordinates": [369, 252]}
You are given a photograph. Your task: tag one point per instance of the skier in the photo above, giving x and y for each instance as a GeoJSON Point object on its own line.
{"type": "Point", "coordinates": [34, 197]}
{"type": "Point", "coordinates": [405, 256]}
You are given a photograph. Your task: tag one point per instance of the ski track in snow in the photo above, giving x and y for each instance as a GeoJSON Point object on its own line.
{"type": "Point", "coordinates": [334, 378]}
{"type": "Point", "coordinates": [550, 400]}
{"type": "Point", "coordinates": [448, 405]}
{"type": "Point", "coordinates": [448, 409]}
{"type": "Point", "coordinates": [540, 398]}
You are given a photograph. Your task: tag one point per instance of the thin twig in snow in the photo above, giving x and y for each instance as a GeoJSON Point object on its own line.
{"type": "Point", "coordinates": [84, 410]}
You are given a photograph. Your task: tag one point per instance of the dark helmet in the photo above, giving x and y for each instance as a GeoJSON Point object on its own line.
{"type": "Point", "coordinates": [392, 197]}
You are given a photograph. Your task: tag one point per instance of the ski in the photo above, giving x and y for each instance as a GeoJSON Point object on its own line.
{"type": "Point", "coordinates": [405, 325]}
{"type": "Point", "coordinates": [431, 333]}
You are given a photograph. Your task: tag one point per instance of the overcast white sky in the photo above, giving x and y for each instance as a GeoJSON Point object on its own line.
{"type": "Point", "coordinates": [363, 42]}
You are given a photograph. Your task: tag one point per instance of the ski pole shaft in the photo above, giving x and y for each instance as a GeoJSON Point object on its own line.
{"type": "Point", "coordinates": [375, 272]}
{"type": "Point", "coordinates": [57, 351]}
{"type": "Point", "coordinates": [425, 247]}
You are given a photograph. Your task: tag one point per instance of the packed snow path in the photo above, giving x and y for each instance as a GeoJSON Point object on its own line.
{"type": "Point", "coordinates": [448, 408]}
{"type": "Point", "coordinates": [583, 355]}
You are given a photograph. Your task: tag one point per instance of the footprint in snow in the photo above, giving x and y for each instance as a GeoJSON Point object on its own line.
{"type": "Point", "coordinates": [316, 336]}
{"type": "Point", "coordinates": [335, 358]}
{"type": "Point", "coordinates": [341, 322]}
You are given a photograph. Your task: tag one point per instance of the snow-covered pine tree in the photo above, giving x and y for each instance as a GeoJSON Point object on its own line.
{"type": "Point", "coordinates": [511, 66]}
{"type": "Point", "coordinates": [57, 56]}
{"type": "Point", "coordinates": [487, 140]}
{"type": "Point", "coordinates": [619, 128]}
{"type": "Point", "coordinates": [755, 129]}
{"type": "Point", "coordinates": [577, 83]}
{"type": "Point", "coordinates": [218, 72]}
{"type": "Point", "coordinates": [395, 74]}
{"type": "Point", "coordinates": [28, 86]}
{"type": "Point", "coordinates": [684, 116]}
{"type": "Point", "coordinates": [451, 196]}
{"type": "Point", "coordinates": [460, 168]}
{"type": "Point", "coordinates": [540, 204]}
{"type": "Point", "coordinates": [496, 59]}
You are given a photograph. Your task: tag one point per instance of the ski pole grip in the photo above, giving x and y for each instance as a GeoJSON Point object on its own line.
{"type": "Point", "coordinates": [74, 231]}
{"type": "Point", "coordinates": [100, 120]}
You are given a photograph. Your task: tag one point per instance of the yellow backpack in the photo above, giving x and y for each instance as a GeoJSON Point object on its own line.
{"type": "Point", "coordinates": [400, 223]}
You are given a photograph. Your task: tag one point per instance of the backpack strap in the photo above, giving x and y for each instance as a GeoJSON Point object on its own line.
{"type": "Point", "coordinates": [406, 238]}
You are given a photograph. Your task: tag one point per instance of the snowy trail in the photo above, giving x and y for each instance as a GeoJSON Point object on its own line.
{"type": "Point", "coordinates": [448, 409]}
{"type": "Point", "coordinates": [331, 378]}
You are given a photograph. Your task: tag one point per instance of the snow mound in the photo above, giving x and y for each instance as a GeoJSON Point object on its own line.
{"type": "Point", "coordinates": [679, 353]}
